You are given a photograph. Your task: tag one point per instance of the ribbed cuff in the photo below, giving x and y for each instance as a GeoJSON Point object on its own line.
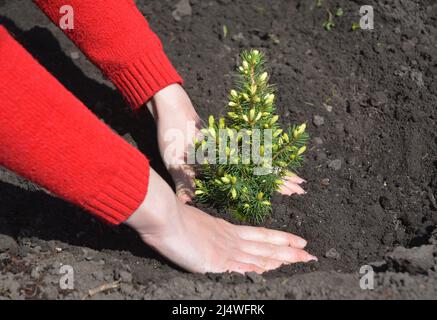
{"type": "Point", "coordinates": [144, 77]}
{"type": "Point", "coordinates": [121, 196]}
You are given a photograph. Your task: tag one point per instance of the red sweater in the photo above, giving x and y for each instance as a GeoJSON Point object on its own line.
{"type": "Point", "coordinates": [48, 136]}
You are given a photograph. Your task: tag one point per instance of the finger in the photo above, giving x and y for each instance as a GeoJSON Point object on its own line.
{"type": "Point", "coordinates": [284, 190]}
{"type": "Point", "coordinates": [241, 267]}
{"type": "Point", "coordinates": [270, 236]}
{"type": "Point", "coordinates": [185, 194]}
{"type": "Point", "coordinates": [260, 261]}
{"type": "Point", "coordinates": [184, 185]}
{"type": "Point", "coordinates": [183, 177]}
{"type": "Point", "coordinates": [295, 188]}
{"type": "Point", "coordinates": [295, 179]}
{"type": "Point", "coordinates": [279, 253]}
{"type": "Point", "coordinates": [289, 188]}
{"type": "Point", "coordinates": [184, 198]}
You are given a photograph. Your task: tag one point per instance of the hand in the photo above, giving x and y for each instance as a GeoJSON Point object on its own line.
{"type": "Point", "coordinates": [173, 110]}
{"type": "Point", "coordinates": [201, 243]}
{"type": "Point", "coordinates": [292, 185]}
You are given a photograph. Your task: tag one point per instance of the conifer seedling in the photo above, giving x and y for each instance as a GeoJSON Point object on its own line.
{"type": "Point", "coordinates": [242, 186]}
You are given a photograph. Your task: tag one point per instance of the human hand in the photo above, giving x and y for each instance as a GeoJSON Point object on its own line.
{"type": "Point", "coordinates": [172, 110]}
{"type": "Point", "coordinates": [173, 113]}
{"type": "Point", "coordinates": [292, 185]}
{"type": "Point", "coordinates": [201, 243]}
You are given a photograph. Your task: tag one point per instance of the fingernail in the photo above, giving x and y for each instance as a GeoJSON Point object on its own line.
{"type": "Point", "coordinates": [313, 258]}
{"type": "Point", "coordinates": [302, 243]}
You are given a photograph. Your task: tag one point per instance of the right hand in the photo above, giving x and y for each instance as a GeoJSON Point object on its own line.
{"type": "Point", "coordinates": [201, 243]}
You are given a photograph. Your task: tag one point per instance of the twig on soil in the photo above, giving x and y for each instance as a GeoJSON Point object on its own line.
{"type": "Point", "coordinates": [104, 287]}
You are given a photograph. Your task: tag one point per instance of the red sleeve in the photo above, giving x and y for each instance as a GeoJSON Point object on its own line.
{"type": "Point", "coordinates": [49, 137]}
{"type": "Point", "coordinates": [116, 37]}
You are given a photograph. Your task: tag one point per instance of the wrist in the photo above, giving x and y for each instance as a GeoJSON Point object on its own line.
{"type": "Point", "coordinates": [158, 209]}
{"type": "Point", "coordinates": [169, 100]}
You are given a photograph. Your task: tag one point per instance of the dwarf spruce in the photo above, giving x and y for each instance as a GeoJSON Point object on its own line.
{"type": "Point", "coordinates": [254, 152]}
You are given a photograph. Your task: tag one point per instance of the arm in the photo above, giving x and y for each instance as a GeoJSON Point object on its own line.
{"type": "Point", "coordinates": [114, 35]}
{"type": "Point", "coordinates": [51, 138]}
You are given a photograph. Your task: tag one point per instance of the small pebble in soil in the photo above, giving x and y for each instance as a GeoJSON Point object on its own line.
{"type": "Point", "coordinates": [127, 289]}
{"type": "Point", "coordinates": [35, 274]}
{"type": "Point", "coordinates": [255, 41]}
{"type": "Point", "coordinates": [357, 245]}
{"type": "Point", "coordinates": [321, 156]}
{"type": "Point", "coordinates": [433, 239]}
{"type": "Point", "coordinates": [99, 275]}
{"type": "Point", "coordinates": [417, 77]}
{"type": "Point", "coordinates": [239, 37]}
{"type": "Point", "coordinates": [410, 218]}
{"type": "Point", "coordinates": [318, 140]}
{"type": "Point", "coordinates": [332, 254]}
{"type": "Point", "coordinates": [339, 128]}
{"type": "Point", "coordinates": [378, 99]}
{"type": "Point", "coordinates": [74, 55]}
{"type": "Point", "coordinates": [325, 182]}
{"type": "Point", "coordinates": [182, 9]}
{"type": "Point", "coordinates": [334, 164]}
{"type": "Point", "coordinates": [402, 72]}
{"type": "Point", "coordinates": [387, 202]}
{"type": "Point", "coordinates": [318, 120]}
{"type": "Point", "coordinates": [408, 46]}
{"type": "Point", "coordinates": [7, 243]}
{"type": "Point", "coordinates": [328, 107]}
{"type": "Point", "coordinates": [255, 277]}
{"type": "Point", "coordinates": [124, 276]}
{"type": "Point", "coordinates": [414, 260]}
{"type": "Point", "coordinates": [12, 285]}
{"type": "Point", "coordinates": [351, 160]}
{"type": "Point", "coordinates": [388, 239]}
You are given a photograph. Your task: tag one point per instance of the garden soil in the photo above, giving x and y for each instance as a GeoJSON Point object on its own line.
{"type": "Point", "coordinates": [369, 99]}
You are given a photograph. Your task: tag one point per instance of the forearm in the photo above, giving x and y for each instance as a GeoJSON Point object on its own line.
{"type": "Point", "coordinates": [117, 38]}
{"type": "Point", "coordinates": [51, 138]}
{"type": "Point", "coordinates": [158, 209]}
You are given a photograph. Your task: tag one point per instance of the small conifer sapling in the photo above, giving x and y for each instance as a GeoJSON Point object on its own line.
{"type": "Point", "coordinates": [240, 185]}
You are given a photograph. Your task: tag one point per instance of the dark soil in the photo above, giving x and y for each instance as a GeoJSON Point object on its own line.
{"type": "Point", "coordinates": [369, 97]}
